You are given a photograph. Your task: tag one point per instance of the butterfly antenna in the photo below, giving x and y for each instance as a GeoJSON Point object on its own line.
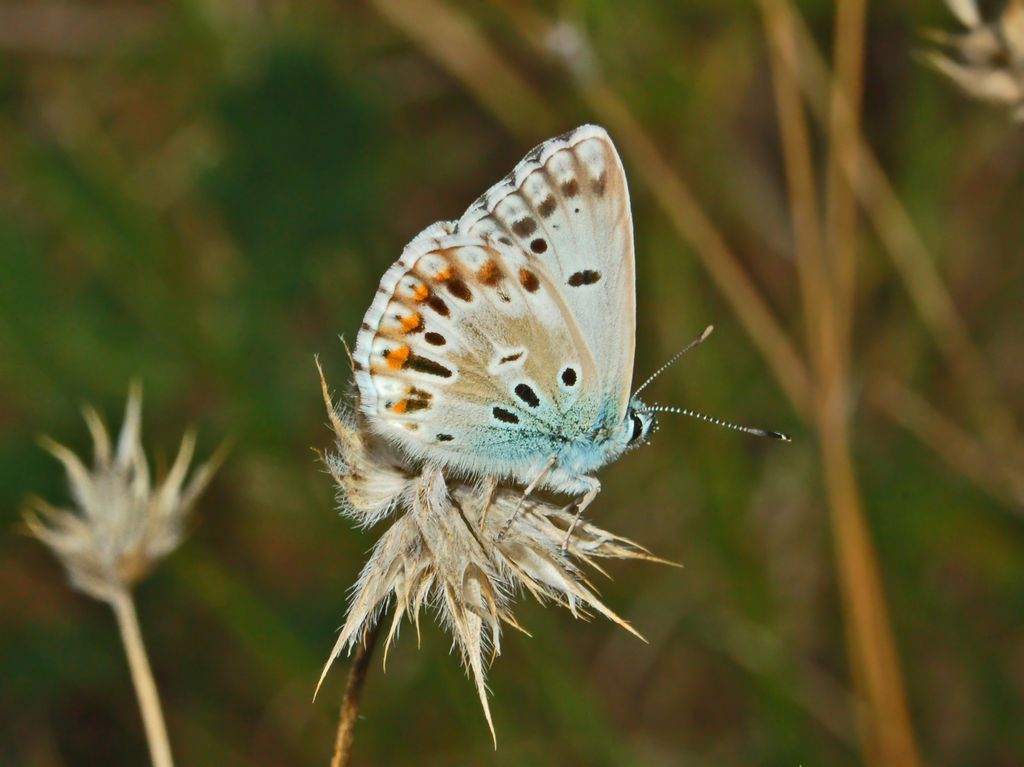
{"type": "Point", "coordinates": [675, 357]}
{"type": "Point", "coordinates": [719, 422]}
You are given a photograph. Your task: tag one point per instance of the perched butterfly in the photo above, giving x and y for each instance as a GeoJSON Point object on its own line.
{"type": "Point", "coordinates": [501, 345]}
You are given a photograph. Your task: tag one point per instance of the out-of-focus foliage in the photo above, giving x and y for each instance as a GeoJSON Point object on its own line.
{"type": "Point", "coordinates": [203, 195]}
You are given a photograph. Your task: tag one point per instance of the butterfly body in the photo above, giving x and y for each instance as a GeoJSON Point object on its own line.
{"type": "Point", "coordinates": [501, 345]}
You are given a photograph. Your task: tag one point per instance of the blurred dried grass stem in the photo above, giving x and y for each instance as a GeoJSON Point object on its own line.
{"type": "Point", "coordinates": [442, 551]}
{"type": "Point", "coordinates": [120, 527]}
{"type": "Point", "coordinates": [886, 729]}
{"type": "Point", "coordinates": [458, 46]}
{"type": "Point", "coordinates": [915, 265]}
{"type": "Point", "coordinates": [961, 451]}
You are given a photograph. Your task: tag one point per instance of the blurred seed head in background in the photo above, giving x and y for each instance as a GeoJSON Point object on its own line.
{"type": "Point", "coordinates": [121, 523]}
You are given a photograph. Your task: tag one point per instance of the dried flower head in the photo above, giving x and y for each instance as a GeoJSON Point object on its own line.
{"type": "Point", "coordinates": [120, 525]}
{"type": "Point", "coordinates": [443, 550]}
{"type": "Point", "coordinates": [987, 60]}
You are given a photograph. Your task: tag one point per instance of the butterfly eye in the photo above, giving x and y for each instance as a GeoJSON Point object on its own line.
{"type": "Point", "coordinates": [638, 428]}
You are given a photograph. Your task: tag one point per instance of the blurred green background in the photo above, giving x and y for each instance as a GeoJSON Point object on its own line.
{"type": "Point", "coordinates": [204, 194]}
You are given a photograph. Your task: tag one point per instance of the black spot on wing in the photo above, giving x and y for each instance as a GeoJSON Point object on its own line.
{"type": "Point", "coordinates": [435, 339]}
{"type": "Point", "coordinates": [458, 288]}
{"type": "Point", "coordinates": [569, 377]}
{"type": "Point", "coordinates": [524, 227]}
{"type": "Point", "coordinates": [526, 393]}
{"type": "Point", "coordinates": [438, 305]}
{"type": "Point", "coordinates": [586, 277]}
{"type": "Point", "coordinates": [427, 365]}
{"type": "Point", "coordinates": [445, 437]}
{"type": "Point", "coordinates": [539, 245]}
{"type": "Point", "coordinates": [504, 415]}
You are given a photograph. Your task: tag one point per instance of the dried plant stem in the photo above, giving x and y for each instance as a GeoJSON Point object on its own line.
{"type": "Point", "coordinates": [910, 256]}
{"type": "Point", "coordinates": [799, 163]}
{"type": "Point", "coordinates": [353, 696]}
{"type": "Point", "coordinates": [142, 677]}
{"type": "Point", "coordinates": [458, 46]}
{"type": "Point", "coordinates": [961, 451]}
{"type": "Point", "coordinates": [886, 730]}
{"type": "Point", "coordinates": [843, 132]}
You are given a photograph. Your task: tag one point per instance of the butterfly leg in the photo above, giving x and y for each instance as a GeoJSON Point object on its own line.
{"type": "Point", "coordinates": [519, 506]}
{"type": "Point", "coordinates": [487, 489]}
{"type": "Point", "coordinates": [586, 500]}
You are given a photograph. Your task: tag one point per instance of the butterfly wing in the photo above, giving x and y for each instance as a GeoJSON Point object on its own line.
{"type": "Point", "coordinates": [495, 340]}
{"type": "Point", "coordinates": [462, 357]}
{"type": "Point", "coordinates": [567, 204]}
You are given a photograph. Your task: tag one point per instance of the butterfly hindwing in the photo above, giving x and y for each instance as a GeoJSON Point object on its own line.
{"type": "Point", "coordinates": [462, 356]}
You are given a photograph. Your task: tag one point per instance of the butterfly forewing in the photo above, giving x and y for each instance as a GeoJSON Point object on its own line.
{"type": "Point", "coordinates": [567, 205]}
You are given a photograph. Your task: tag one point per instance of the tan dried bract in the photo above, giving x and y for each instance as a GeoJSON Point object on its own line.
{"type": "Point", "coordinates": [120, 524]}
{"type": "Point", "coordinates": [986, 60]}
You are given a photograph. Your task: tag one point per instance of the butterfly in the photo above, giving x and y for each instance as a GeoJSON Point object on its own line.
{"type": "Point", "coordinates": [501, 345]}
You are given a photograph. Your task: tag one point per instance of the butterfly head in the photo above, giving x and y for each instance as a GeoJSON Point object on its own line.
{"type": "Point", "coordinates": [638, 423]}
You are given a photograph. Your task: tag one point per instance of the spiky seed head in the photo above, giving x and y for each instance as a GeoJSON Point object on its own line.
{"type": "Point", "coordinates": [443, 551]}
{"type": "Point", "coordinates": [119, 523]}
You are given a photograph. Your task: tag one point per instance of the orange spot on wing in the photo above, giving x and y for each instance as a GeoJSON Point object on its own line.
{"type": "Point", "coordinates": [529, 280]}
{"type": "Point", "coordinates": [444, 274]}
{"type": "Point", "coordinates": [397, 357]}
{"type": "Point", "coordinates": [400, 406]}
{"type": "Point", "coordinates": [410, 322]}
{"type": "Point", "coordinates": [421, 292]}
{"type": "Point", "coordinates": [489, 274]}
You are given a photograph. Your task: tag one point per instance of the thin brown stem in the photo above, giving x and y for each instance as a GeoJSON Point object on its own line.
{"type": "Point", "coordinates": [457, 44]}
{"type": "Point", "coordinates": [353, 696]}
{"type": "Point", "coordinates": [886, 729]}
{"type": "Point", "coordinates": [959, 449]}
{"type": "Point", "coordinates": [910, 256]}
{"type": "Point", "coordinates": [800, 179]}
{"type": "Point", "coordinates": [142, 677]}
{"type": "Point", "coordinates": [844, 117]}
